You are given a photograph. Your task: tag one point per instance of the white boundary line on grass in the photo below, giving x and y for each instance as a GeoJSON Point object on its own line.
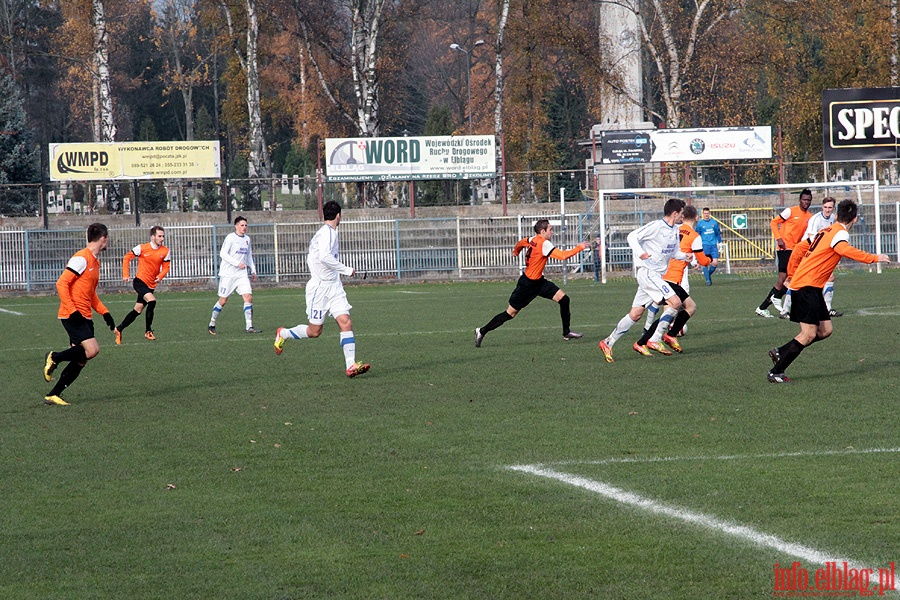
{"type": "Point", "coordinates": [12, 312]}
{"type": "Point", "coordinates": [811, 555]}
{"type": "Point", "coordinates": [658, 459]}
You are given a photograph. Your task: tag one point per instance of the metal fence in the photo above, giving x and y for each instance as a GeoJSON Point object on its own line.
{"type": "Point", "coordinates": [400, 249]}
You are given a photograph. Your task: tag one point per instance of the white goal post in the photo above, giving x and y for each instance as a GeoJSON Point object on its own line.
{"type": "Point", "coordinates": [610, 223]}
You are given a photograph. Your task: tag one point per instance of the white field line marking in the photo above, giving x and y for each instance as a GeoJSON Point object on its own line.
{"type": "Point", "coordinates": [659, 459]}
{"type": "Point", "coordinates": [12, 312]}
{"type": "Point", "coordinates": [810, 555]}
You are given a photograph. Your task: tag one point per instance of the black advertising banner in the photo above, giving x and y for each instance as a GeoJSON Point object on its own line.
{"type": "Point", "coordinates": [861, 124]}
{"type": "Point", "coordinates": [626, 147]}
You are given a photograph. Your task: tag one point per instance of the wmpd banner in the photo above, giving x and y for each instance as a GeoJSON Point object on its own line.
{"type": "Point", "coordinates": [860, 124]}
{"type": "Point", "coordinates": [683, 145]}
{"type": "Point", "coordinates": [406, 158]}
{"type": "Point", "coordinates": [134, 160]}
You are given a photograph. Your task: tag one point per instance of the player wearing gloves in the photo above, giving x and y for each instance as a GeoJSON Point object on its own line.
{"type": "Point", "coordinates": [653, 246]}
{"type": "Point", "coordinates": [153, 265]}
{"type": "Point", "coordinates": [77, 289]}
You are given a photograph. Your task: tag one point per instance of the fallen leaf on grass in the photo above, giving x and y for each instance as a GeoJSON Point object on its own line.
{"type": "Point", "coordinates": [420, 532]}
{"type": "Point", "coordinates": [170, 486]}
{"type": "Point", "coordinates": [236, 469]}
{"type": "Point", "coordinates": [632, 413]}
{"type": "Point", "coordinates": [404, 556]}
{"type": "Point", "coordinates": [278, 445]}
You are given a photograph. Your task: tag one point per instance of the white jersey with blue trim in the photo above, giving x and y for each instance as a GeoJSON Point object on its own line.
{"type": "Point", "coordinates": [322, 259]}
{"type": "Point", "coordinates": [817, 223]}
{"type": "Point", "coordinates": [236, 250]}
{"type": "Point", "coordinates": [658, 239]}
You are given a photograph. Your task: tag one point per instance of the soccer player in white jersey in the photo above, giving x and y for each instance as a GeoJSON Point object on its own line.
{"type": "Point", "coordinates": [817, 223]}
{"type": "Point", "coordinates": [653, 245]}
{"type": "Point", "coordinates": [235, 274]}
{"type": "Point", "coordinates": [325, 292]}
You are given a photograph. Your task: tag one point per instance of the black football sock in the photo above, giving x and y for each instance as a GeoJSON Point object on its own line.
{"type": "Point", "coordinates": [788, 353]}
{"type": "Point", "coordinates": [73, 354]}
{"type": "Point", "coordinates": [565, 314]}
{"type": "Point", "coordinates": [69, 375]}
{"type": "Point", "coordinates": [128, 320]}
{"type": "Point", "coordinates": [496, 322]}
{"type": "Point", "coordinates": [779, 293]}
{"type": "Point", "coordinates": [680, 319]}
{"type": "Point", "coordinates": [765, 304]}
{"type": "Point", "coordinates": [648, 333]}
{"type": "Point", "coordinates": [151, 306]}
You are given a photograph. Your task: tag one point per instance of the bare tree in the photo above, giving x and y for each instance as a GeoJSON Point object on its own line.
{"type": "Point", "coordinates": [104, 123]}
{"type": "Point", "coordinates": [248, 57]}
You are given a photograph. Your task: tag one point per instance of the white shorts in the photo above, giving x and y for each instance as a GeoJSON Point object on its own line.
{"type": "Point", "coordinates": [323, 298]}
{"type": "Point", "coordinates": [651, 288]}
{"type": "Point", "coordinates": [238, 283]}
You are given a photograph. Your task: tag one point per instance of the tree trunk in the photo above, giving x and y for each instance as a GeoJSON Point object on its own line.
{"type": "Point", "coordinates": [106, 126]}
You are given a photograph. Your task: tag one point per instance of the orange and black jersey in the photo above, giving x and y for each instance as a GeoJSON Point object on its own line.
{"type": "Point", "coordinates": [790, 225]}
{"type": "Point", "coordinates": [825, 252]}
{"type": "Point", "coordinates": [690, 243]}
{"type": "Point", "coordinates": [153, 263]}
{"type": "Point", "coordinates": [537, 251]}
{"type": "Point", "coordinates": [77, 286]}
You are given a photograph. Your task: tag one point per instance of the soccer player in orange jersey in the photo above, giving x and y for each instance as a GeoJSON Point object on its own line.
{"type": "Point", "coordinates": [77, 289]}
{"type": "Point", "coordinates": [538, 249]}
{"type": "Point", "coordinates": [809, 308]}
{"type": "Point", "coordinates": [153, 265]}
{"type": "Point", "coordinates": [788, 228]}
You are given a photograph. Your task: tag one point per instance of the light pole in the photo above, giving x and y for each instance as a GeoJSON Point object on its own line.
{"type": "Point", "coordinates": [468, 91]}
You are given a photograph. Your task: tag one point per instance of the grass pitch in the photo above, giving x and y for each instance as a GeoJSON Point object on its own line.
{"type": "Point", "coordinates": [209, 467]}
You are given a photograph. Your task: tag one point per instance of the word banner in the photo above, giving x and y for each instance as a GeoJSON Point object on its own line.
{"type": "Point", "coordinates": [134, 160]}
{"type": "Point", "coordinates": [407, 158]}
{"type": "Point", "coordinates": [861, 124]}
{"type": "Point", "coordinates": [684, 145]}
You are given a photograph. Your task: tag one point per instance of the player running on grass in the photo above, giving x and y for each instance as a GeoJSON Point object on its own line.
{"type": "Point", "coordinates": [153, 265]}
{"type": "Point", "coordinates": [788, 228]}
{"type": "Point", "coordinates": [677, 276]}
{"type": "Point", "coordinates": [325, 292]}
{"type": "Point", "coordinates": [77, 289]}
{"type": "Point", "coordinates": [809, 309]}
{"type": "Point", "coordinates": [532, 283]}
{"type": "Point", "coordinates": [653, 245]}
{"type": "Point", "coordinates": [817, 223]}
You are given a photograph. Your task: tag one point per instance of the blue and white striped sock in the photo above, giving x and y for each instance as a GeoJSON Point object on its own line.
{"type": "Point", "coordinates": [348, 345]}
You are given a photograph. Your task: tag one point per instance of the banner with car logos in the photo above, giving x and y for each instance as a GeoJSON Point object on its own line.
{"type": "Point", "coordinates": [681, 145]}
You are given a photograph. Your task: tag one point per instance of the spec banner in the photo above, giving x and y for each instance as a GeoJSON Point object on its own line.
{"type": "Point", "coordinates": [134, 160]}
{"type": "Point", "coordinates": [405, 158]}
{"type": "Point", "coordinates": [682, 145]}
{"type": "Point", "coordinates": [860, 124]}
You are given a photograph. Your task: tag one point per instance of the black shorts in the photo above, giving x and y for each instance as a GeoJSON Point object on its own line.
{"type": "Point", "coordinates": [142, 290]}
{"type": "Point", "coordinates": [679, 291]}
{"type": "Point", "coordinates": [529, 289]}
{"type": "Point", "coordinates": [808, 306]}
{"type": "Point", "coordinates": [78, 329]}
{"type": "Point", "coordinates": [784, 257]}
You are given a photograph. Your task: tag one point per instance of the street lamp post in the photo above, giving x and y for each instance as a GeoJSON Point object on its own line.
{"type": "Point", "coordinates": [468, 90]}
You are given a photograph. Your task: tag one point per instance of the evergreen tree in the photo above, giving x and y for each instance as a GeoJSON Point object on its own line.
{"type": "Point", "coordinates": [18, 156]}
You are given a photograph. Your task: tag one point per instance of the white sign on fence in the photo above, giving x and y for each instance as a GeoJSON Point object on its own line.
{"type": "Point", "coordinates": [406, 158]}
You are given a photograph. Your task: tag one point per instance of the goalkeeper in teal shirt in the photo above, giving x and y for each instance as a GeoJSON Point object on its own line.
{"type": "Point", "coordinates": [711, 236]}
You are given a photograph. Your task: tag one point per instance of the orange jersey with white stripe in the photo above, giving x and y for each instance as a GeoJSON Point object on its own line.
{"type": "Point", "coordinates": [790, 225]}
{"type": "Point", "coordinates": [825, 252]}
{"type": "Point", "coordinates": [153, 263]}
{"type": "Point", "coordinates": [691, 243]}
{"type": "Point", "coordinates": [537, 251]}
{"type": "Point", "coordinates": [77, 286]}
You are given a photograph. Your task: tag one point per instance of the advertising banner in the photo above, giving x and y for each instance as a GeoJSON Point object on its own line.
{"type": "Point", "coordinates": [407, 158]}
{"type": "Point", "coordinates": [682, 145]}
{"type": "Point", "coordinates": [860, 124]}
{"type": "Point", "coordinates": [134, 160]}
